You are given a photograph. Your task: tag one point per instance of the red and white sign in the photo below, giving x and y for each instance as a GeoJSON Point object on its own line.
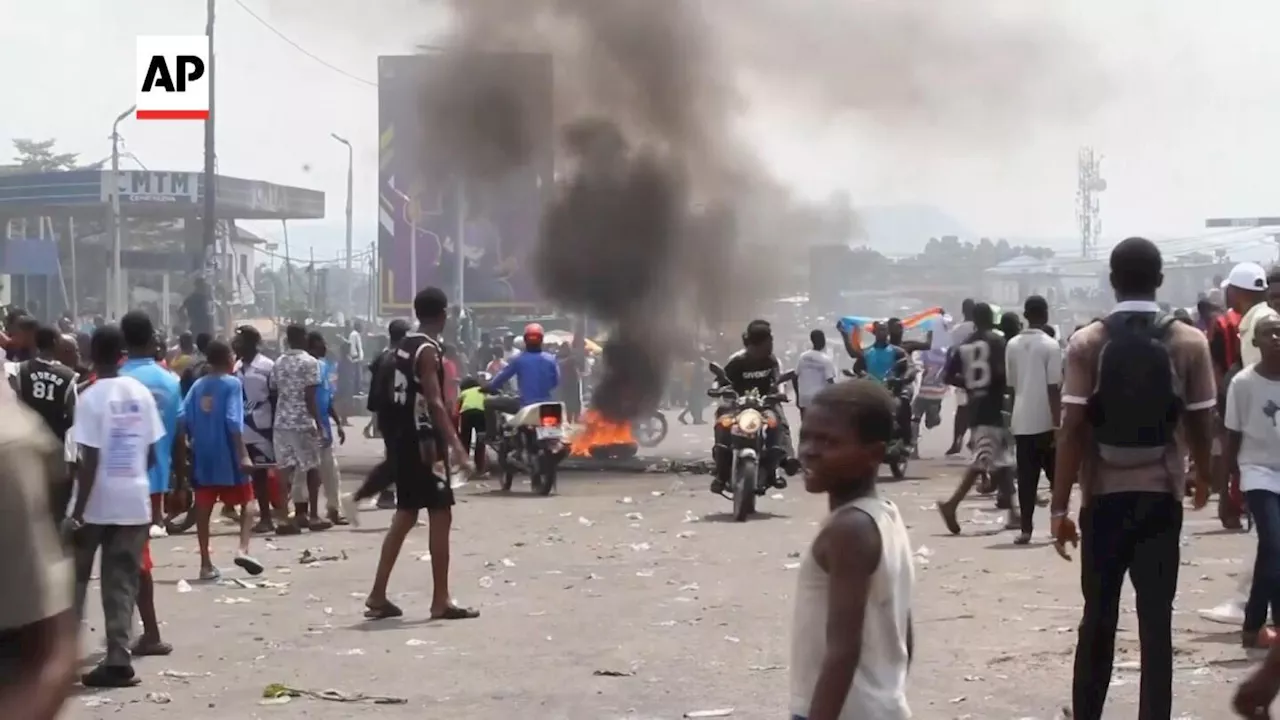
{"type": "Point", "coordinates": [173, 77]}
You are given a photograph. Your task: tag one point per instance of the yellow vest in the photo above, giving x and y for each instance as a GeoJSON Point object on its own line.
{"type": "Point", "coordinates": [470, 399]}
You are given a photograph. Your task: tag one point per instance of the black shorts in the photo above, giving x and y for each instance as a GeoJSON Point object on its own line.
{"type": "Point", "coordinates": [417, 488]}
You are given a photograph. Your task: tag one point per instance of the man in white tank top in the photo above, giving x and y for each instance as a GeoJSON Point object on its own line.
{"type": "Point", "coordinates": [851, 637]}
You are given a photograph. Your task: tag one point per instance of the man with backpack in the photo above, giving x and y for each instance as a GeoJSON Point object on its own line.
{"type": "Point", "coordinates": [1130, 381]}
{"type": "Point", "coordinates": [380, 479]}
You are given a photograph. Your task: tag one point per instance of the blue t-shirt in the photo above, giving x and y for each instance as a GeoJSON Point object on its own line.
{"type": "Point", "coordinates": [324, 395]}
{"type": "Point", "coordinates": [537, 375]}
{"type": "Point", "coordinates": [167, 391]}
{"type": "Point", "coordinates": [880, 360]}
{"type": "Point", "coordinates": [214, 409]}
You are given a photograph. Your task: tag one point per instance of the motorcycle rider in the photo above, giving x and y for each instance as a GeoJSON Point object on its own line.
{"type": "Point", "coordinates": [537, 375]}
{"type": "Point", "coordinates": [753, 367]}
{"type": "Point", "coordinates": [889, 363]}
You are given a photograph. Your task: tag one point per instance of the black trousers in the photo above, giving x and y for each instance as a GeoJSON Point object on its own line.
{"type": "Point", "coordinates": [381, 477]}
{"type": "Point", "coordinates": [1035, 455]}
{"type": "Point", "coordinates": [1137, 533]}
{"type": "Point", "coordinates": [473, 421]}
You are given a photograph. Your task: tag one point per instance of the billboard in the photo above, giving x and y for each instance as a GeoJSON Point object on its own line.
{"type": "Point", "coordinates": [421, 209]}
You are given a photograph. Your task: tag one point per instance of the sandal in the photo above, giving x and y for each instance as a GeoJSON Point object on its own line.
{"type": "Point", "coordinates": [453, 612]}
{"type": "Point", "coordinates": [318, 525]}
{"type": "Point", "coordinates": [150, 648]}
{"type": "Point", "coordinates": [384, 611]}
{"type": "Point", "coordinates": [288, 529]}
{"type": "Point", "coordinates": [249, 565]}
{"type": "Point", "coordinates": [110, 676]}
{"type": "Point", "coordinates": [948, 514]}
{"type": "Point", "coordinates": [264, 527]}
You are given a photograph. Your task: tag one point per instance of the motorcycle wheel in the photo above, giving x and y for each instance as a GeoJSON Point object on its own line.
{"type": "Point", "coordinates": [185, 519]}
{"type": "Point", "coordinates": [650, 431]}
{"type": "Point", "coordinates": [545, 480]}
{"type": "Point", "coordinates": [508, 472]}
{"type": "Point", "coordinates": [898, 468]}
{"type": "Point", "coordinates": [744, 489]}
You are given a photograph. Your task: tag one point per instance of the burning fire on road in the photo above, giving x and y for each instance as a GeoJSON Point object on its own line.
{"type": "Point", "coordinates": [602, 438]}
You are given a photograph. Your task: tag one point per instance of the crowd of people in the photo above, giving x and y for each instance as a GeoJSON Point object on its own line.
{"type": "Point", "coordinates": [1125, 408]}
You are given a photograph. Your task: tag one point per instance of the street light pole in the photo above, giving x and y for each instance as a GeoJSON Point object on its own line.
{"type": "Point", "coordinates": [115, 305]}
{"type": "Point", "coordinates": [209, 228]}
{"type": "Point", "coordinates": [350, 306]}
{"type": "Point", "coordinates": [413, 242]}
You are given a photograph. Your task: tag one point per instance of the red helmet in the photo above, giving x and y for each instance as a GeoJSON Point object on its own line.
{"type": "Point", "coordinates": [533, 332]}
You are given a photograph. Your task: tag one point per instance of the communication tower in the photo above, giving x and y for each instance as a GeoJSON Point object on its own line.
{"type": "Point", "coordinates": [1090, 184]}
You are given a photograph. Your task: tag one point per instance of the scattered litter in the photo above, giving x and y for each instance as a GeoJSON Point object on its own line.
{"type": "Point", "coordinates": [790, 566]}
{"type": "Point", "coordinates": [777, 496]}
{"type": "Point", "coordinates": [486, 582]}
{"type": "Point", "coordinates": [766, 668]}
{"type": "Point", "coordinates": [233, 600]}
{"type": "Point", "coordinates": [732, 639]}
{"type": "Point", "coordinates": [328, 611]}
{"type": "Point", "coordinates": [183, 586]}
{"type": "Point", "coordinates": [626, 500]}
{"type": "Point", "coordinates": [508, 562]}
{"type": "Point", "coordinates": [585, 522]}
{"type": "Point", "coordinates": [352, 651]}
{"type": "Point", "coordinates": [719, 712]}
{"type": "Point", "coordinates": [634, 516]}
{"type": "Point", "coordinates": [415, 642]}
{"type": "Point", "coordinates": [686, 534]}
{"type": "Point", "coordinates": [644, 573]}
{"type": "Point", "coordinates": [424, 557]}
{"type": "Point", "coordinates": [793, 554]}
{"type": "Point", "coordinates": [924, 551]}
{"type": "Point", "coordinates": [612, 673]}
{"type": "Point", "coordinates": [309, 558]}
{"type": "Point", "coordinates": [182, 674]}
{"type": "Point", "coordinates": [689, 517]}
{"type": "Point", "coordinates": [158, 698]}
{"type": "Point", "coordinates": [276, 691]}
{"type": "Point", "coordinates": [656, 493]}
{"type": "Point", "coordinates": [691, 587]}
{"type": "Point", "coordinates": [958, 699]}
{"type": "Point", "coordinates": [97, 702]}
{"type": "Point", "coordinates": [640, 547]}
{"type": "Point", "coordinates": [565, 514]}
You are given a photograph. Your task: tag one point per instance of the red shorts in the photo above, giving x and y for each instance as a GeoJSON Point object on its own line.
{"type": "Point", "coordinates": [207, 497]}
{"type": "Point", "coordinates": [146, 558]}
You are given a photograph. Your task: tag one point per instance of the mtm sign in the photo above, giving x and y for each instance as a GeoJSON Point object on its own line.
{"type": "Point", "coordinates": [173, 77]}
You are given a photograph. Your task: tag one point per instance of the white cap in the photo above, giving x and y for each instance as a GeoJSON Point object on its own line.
{"type": "Point", "coordinates": [1248, 276]}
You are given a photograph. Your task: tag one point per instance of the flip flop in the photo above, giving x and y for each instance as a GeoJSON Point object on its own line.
{"type": "Point", "coordinates": [384, 611]}
{"type": "Point", "coordinates": [249, 565]}
{"type": "Point", "coordinates": [150, 649]}
{"type": "Point", "coordinates": [453, 612]}
{"type": "Point", "coordinates": [949, 518]}
{"type": "Point", "coordinates": [104, 676]}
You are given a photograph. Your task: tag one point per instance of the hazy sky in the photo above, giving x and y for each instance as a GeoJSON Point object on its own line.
{"type": "Point", "coordinates": [1181, 96]}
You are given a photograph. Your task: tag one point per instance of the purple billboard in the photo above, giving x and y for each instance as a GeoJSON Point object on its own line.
{"type": "Point", "coordinates": [419, 204]}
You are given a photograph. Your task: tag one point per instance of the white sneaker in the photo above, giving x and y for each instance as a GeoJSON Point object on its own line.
{"type": "Point", "coordinates": [351, 509]}
{"type": "Point", "coordinates": [1230, 612]}
{"type": "Point", "coordinates": [158, 531]}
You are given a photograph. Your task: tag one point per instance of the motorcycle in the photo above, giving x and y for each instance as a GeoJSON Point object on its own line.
{"type": "Point", "coordinates": [650, 430]}
{"type": "Point", "coordinates": [532, 441]}
{"type": "Point", "coordinates": [898, 454]}
{"type": "Point", "coordinates": [754, 460]}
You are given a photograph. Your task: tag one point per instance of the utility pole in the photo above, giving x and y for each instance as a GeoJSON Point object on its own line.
{"type": "Point", "coordinates": [1089, 183]}
{"type": "Point", "coordinates": [210, 178]}
{"type": "Point", "coordinates": [350, 307]}
{"type": "Point", "coordinates": [115, 294]}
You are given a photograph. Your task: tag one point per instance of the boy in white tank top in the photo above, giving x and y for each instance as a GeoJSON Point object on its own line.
{"type": "Point", "coordinates": [851, 637]}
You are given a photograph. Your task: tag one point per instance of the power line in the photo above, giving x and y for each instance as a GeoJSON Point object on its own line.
{"type": "Point", "coordinates": [301, 49]}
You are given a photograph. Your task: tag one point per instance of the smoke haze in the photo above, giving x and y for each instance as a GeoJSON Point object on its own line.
{"type": "Point", "coordinates": [659, 193]}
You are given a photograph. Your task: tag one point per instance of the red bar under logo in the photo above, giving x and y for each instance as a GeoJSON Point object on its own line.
{"type": "Point", "coordinates": [172, 114]}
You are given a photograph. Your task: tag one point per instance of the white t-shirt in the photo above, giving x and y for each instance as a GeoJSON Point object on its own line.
{"type": "Point", "coordinates": [1253, 410]}
{"type": "Point", "coordinates": [1033, 362]}
{"type": "Point", "coordinates": [961, 332]}
{"type": "Point", "coordinates": [118, 416]}
{"type": "Point", "coordinates": [814, 370]}
{"type": "Point", "coordinates": [356, 344]}
{"type": "Point", "coordinates": [1248, 353]}
{"type": "Point", "coordinates": [939, 326]}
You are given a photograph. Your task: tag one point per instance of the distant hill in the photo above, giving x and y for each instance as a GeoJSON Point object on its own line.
{"type": "Point", "coordinates": [904, 229]}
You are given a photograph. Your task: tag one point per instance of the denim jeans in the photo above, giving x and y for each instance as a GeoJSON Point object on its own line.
{"type": "Point", "coordinates": [1264, 594]}
{"type": "Point", "coordinates": [1138, 534]}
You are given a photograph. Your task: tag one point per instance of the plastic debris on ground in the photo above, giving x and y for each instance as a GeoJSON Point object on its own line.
{"type": "Point", "coordinates": [717, 713]}
{"type": "Point", "coordinates": [310, 558]}
{"type": "Point", "coordinates": [281, 693]}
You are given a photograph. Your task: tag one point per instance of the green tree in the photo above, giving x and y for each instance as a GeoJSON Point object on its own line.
{"type": "Point", "coordinates": [40, 156]}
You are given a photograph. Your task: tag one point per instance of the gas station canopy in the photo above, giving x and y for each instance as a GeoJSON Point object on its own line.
{"type": "Point", "coordinates": [160, 194]}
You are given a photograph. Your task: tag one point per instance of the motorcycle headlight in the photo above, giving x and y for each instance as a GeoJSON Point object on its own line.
{"type": "Point", "coordinates": [749, 421]}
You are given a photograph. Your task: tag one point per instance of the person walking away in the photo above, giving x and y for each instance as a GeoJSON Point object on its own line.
{"type": "Point", "coordinates": [421, 431]}
{"type": "Point", "coordinates": [139, 340]}
{"type": "Point", "coordinates": [977, 366]}
{"type": "Point", "coordinates": [926, 407]}
{"type": "Point", "coordinates": [381, 403]}
{"type": "Point", "coordinates": [326, 393]}
{"type": "Point", "coordinates": [1253, 454]}
{"type": "Point", "coordinates": [814, 370]}
{"type": "Point", "coordinates": [1033, 364]}
{"type": "Point", "coordinates": [353, 356]}
{"type": "Point", "coordinates": [213, 415]}
{"type": "Point", "coordinates": [198, 365]}
{"type": "Point", "coordinates": [536, 375]}
{"type": "Point", "coordinates": [960, 335]}
{"type": "Point", "coordinates": [852, 638]}
{"type": "Point", "coordinates": [197, 308]}
{"type": "Point", "coordinates": [253, 369]}
{"type": "Point", "coordinates": [118, 428]}
{"type": "Point", "coordinates": [1130, 382]}
{"type": "Point", "coordinates": [49, 388]}
{"type": "Point", "coordinates": [296, 378]}
{"type": "Point", "coordinates": [186, 352]}
{"type": "Point", "coordinates": [570, 383]}
{"type": "Point", "coordinates": [38, 648]}
{"type": "Point", "coordinates": [471, 420]}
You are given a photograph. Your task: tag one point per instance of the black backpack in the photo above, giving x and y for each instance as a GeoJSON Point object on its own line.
{"type": "Point", "coordinates": [382, 381]}
{"type": "Point", "coordinates": [1135, 406]}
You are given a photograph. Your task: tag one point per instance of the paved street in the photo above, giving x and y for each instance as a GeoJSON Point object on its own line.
{"type": "Point", "coordinates": [630, 596]}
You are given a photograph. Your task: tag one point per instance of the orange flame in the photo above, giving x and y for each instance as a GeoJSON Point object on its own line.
{"type": "Point", "coordinates": [597, 431]}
